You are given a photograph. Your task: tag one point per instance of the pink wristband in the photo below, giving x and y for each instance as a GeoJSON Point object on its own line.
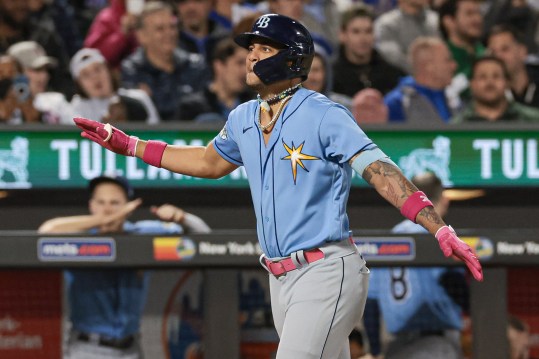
{"type": "Point", "coordinates": [153, 153]}
{"type": "Point", "coordinates": [414, 204]}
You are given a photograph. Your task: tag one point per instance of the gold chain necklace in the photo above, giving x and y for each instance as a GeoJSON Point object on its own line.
{"type": "Point", "coordinates": [262, 127]}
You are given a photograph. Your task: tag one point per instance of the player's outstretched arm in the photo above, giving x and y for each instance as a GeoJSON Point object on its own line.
{"type": "Point", "coordinates": [391, 184]}
{"type": "Point", "coordinates": [197, 161]}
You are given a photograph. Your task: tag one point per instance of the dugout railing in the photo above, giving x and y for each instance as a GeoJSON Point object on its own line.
{"type": "Point", "coordinates": [220, 254]}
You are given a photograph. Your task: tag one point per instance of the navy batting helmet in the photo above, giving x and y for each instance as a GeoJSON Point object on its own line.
{"type": "Point", "coordinates": [296, 56]}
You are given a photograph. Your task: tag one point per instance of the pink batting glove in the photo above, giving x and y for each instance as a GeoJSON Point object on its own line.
{"type": "Point", "coordinates": [452, 245]}
{"type": "Point", "coordinates": [107, 136]}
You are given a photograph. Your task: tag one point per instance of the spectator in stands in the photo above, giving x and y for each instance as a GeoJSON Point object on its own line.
{"type": "Point", "coordinates": [461, 24]}
{"type": "Point", "coordinates": [36, 66]}
{"type": "Point", "coordinates": [291, 8]}
{"type": "Point", "coordinates": [421, 307]}
{"type": "Point", "coordinates": [16, 101]}
{"type": "Point", "coordinates": [227, 89]}
{"type": "Point", "coordinates": [359, 65]}
{"type": "Point", "coordinates": [320, 77]}
{"type": "Point", "coordinates": [368, 107]}
{"type": "Point", "coordinates": [518, 334]}
{"type": "Point", "coordinates": [105, 307]}
{"type": "Point", "coordinates": [199, 33]}
{"type": "Point", "coordinates": [322, 18]}
{"type": "Point", "coordinates": [86, 11]}
{"type": "Point", "coordinates": [245, 24]}
{"type": "Point", "coordinates": [395, 30]}
{"type": "Point", "coordinates": [17, 25]}
{"type": "Point", "coordinates": [222, 13]}
{"type": "Point", "coordinates": [421, 98]}
{"type": "Point", "coordinates": [488, 85]}
{"type": "Point", "coordinates": [159, 66]}
{"type": "Point", "coordinates": [520, 15]}
{"type": "Point", "coordinates": [98, 93]}
{"type": "Point", "coordinates": [379, 6]}
{"type": "Point", "coordinates": [58, 16]}
{"type": "Point", "coordinates": [35, 63]}
{"type": "Point", "coordinates": [322, 24]}
{"type": "Point", "coordinates": [507, 44]}
{"type": "Point", "coordinates": [113, 33]}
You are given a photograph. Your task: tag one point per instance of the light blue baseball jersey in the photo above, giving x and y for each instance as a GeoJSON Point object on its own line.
{"type": "Point", "coordinates": [110, 302]}
{"type": "Point", "coordinates": [301, 179]}
{"type": "Point", "coordinates": [413, 299]}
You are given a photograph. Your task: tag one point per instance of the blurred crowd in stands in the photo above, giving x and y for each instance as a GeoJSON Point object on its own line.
{"type": "Point", "coordinates": [389, 61]}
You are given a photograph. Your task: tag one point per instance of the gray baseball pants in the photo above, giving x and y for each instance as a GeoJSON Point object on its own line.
{"type": "Point", "coordinates": [316, 306]}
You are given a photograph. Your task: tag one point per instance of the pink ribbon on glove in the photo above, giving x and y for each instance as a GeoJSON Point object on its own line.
{"type": "Point", "coordinates": [453, 245]}
{"type": "Point", "coordinates": [107, 136]}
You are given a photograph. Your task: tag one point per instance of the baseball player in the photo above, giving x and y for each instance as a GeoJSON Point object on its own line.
{"type": "Point", "coordinates": [421, 307]}
{"type": "Point", "coordinates": [298, 149]}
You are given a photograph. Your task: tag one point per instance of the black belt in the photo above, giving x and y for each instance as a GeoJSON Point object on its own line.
{"type": "Point", "coordinates": [117, 343]}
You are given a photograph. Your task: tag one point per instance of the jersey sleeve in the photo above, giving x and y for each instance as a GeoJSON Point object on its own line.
{"type": "Point", "coordinates": [225, 143]}
{"type": "Point", "coordinates": [340, 135]}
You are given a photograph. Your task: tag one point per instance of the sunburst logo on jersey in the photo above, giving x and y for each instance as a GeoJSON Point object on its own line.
{"type": "Point", "coordinates": [296, 158]}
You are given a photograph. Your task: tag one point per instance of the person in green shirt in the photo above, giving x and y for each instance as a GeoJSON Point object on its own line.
{"type": "Point", "coordinates": [461, 25]}
{"type": "Point", "coordinates": [489, 83]}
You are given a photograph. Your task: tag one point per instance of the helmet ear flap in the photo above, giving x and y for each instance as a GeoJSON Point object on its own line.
{"type": "Point", "coordinates": [292, 60]}
{"type": "Point", "coordinates": [300, 63]}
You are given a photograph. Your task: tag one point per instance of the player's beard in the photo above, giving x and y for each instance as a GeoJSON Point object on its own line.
{"type": "Point", "coordinates": [254, 82]}
{"type": "Point", "coordinates": [256, 87]}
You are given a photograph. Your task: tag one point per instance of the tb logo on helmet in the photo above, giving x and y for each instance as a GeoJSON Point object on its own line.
{"type": "Point", "coordinates": [263, 22]}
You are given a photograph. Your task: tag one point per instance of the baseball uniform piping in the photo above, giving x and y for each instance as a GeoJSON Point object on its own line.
{"type": "Point", "coordinates": [335, 311]}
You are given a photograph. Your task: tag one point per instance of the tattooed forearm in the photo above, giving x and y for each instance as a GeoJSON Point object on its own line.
{"type": "Point", "coordinates": [429, 215]}
{"type": "Point", "coordinates": [379, 168]}
{"type": "Point", "coordinates": [389, 182]}
{"type": "Point", "coordinates": [406, 186]}
{"type": "Point", "coordinates": [392, 196]}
